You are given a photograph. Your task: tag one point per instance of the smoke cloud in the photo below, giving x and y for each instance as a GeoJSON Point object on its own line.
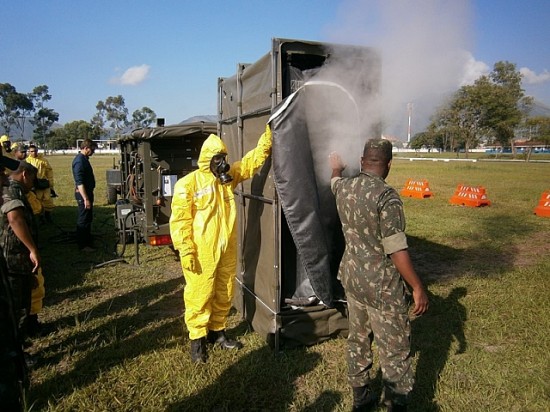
{"type": "Point", "coordinates": [422, 45]}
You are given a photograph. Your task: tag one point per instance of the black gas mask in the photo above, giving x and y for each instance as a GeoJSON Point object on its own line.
{"type": "Point", "coordinates": [220, 167]}
{"type": "Point", "coordinates": [6, 146]}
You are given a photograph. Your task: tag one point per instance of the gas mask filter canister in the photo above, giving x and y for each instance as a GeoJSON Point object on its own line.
{"type": "Point", "coordinates": [220, 167]}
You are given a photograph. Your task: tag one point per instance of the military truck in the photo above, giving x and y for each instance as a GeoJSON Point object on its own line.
{"type": "Point", "coordinates": [317, 97]}
{"type": "Point", "coordinates": [151, 161]}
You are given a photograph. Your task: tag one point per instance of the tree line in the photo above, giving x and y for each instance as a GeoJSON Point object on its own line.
{"type": "Point", "coordinates": [493, 110]}
{"type": "Point", "coordinates": [110, 119]}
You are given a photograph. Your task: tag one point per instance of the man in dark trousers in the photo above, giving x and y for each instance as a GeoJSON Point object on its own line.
{"type": "Point", "coordinates": [84, 181]}
{"type": "Point", "coordinates": [375, 266]}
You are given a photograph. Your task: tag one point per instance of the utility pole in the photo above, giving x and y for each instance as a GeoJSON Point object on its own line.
{"type": "Point", "coordinates": [409, 112]}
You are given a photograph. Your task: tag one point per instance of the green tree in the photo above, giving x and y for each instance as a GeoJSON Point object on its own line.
{"type": "Point", "coordinates": [491, 108]}
{"type": "Point", "coordinates": [14, 108]}
{"type": "Point", "coordinates": [422, 139]}
{"type": "Point", "coordinates": [538, 129]}
{"type": "Point", "coordinates": [143, 117]}
{"type": "Point", "coordinates": [67, 136]}
{"type": "Point", "coordinates": [44, 117]}
{"type": "Point", "coordinates": [112, 112]}
{"type": "Point", "coordinates": [446, 130]}
{"type": "Point", "coordinates": [508, 104]}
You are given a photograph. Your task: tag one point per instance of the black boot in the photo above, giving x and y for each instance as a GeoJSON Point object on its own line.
{"type": "Point", "coordinates": [34, 327]}
{"type": "Point", "coordinates": [364, 399]}
{"type": "Point", "coordinates": [219, 338]}
{"type": "Point", "coordinates": [396, 407]}
{"type": "Point", "coordinates": [198, 350]}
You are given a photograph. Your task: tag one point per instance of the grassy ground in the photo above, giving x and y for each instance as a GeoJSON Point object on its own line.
{"type": "Point", "coordinates": [117, 341]}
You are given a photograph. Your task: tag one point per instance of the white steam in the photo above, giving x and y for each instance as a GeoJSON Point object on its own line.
{"type": "Point", "coordinates": [422, 44]}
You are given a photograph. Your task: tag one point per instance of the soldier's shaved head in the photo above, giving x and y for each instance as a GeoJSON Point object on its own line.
{"type": "Point", "coordinates": [377, 156]}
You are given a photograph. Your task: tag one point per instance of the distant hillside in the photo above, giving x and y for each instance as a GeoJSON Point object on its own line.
{"type": "Point", "coordinates": [16, 135]}
{"type": "Point", "coordinates": [539, 109]}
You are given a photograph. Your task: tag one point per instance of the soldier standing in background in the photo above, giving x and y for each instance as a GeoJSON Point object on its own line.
{"type": "Point", "coordinates": [18, 235]}
{"type": "Point", "coordinates": [13, 370]}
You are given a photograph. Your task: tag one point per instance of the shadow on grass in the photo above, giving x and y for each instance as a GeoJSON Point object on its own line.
{"type": "Point", "coordinates": [136, 298]}
{"type": "Point", "coordinates": [155, 323]}
{"type": "Point", "coordinates": [326, 401]}
{"type": "Point", "coordinates": [432, 337]}
{"type": "Point", "coordinates": [496, 237]}
{"type": "Point", "coordinates": [260, 380]}
{"type": "Point", "coordinates": [63, 264]}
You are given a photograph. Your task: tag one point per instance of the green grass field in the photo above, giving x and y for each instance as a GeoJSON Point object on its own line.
{"type": "Point", "coordinates": [117, 341]}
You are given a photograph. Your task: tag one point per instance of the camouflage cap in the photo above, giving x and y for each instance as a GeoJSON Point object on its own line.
{"type": "Point", "coordinates": [382, 145]}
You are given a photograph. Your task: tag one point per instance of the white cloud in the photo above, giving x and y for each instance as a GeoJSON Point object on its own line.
{"type": "Point", "coordinates": [530, 77]}
{"type": "Point", "coordinates": [133, 76]}
{"type": "Point", "coordinates": [473, 70]}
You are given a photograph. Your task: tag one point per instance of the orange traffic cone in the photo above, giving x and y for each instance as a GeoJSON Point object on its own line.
{"type": "Point", "coordinates": [543, 208]}
{"type": "Point", "coordinates": [417, 188]}
{"type": "Point", "coordinates": [470, 196]}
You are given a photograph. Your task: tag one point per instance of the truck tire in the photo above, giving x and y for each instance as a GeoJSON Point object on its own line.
{"type": "Point", "coordinates": [111, 195]}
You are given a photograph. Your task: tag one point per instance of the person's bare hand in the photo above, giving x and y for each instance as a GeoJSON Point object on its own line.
{"type": "Point", "coordinates": [420, 302]}
{"type": "Point", "coordinates": [335, 161]}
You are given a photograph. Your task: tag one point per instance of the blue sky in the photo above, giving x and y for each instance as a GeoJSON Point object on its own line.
{"type": "Point", "coordinates": [168, 55]}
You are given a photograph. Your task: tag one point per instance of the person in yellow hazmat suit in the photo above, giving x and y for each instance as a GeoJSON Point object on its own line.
{"type": "Point", "coordinates": [203, 231]}
{"type": "Point", "coordinates": [43, 187]}
{"type": "Point", "coordinates": [38, 292]}
{"type": "Point", "coordinates": [6, 145]}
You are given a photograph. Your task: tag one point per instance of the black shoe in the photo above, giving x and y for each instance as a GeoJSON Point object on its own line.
{"type": "Point", "coordinates": [219, 338]}
{"type": "Point", "coordinates": [198, 350]}
{"type": "Point", "coordinates": [364, 400]}
{"type": "Point", "coordinates": [29, 360]}
{"type": "Point", "coordinates": [396, 407]}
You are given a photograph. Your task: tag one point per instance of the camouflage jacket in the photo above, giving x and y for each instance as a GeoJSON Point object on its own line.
{"type": "Point", "coordinates": [373, 223]}
{"type": "Point", "coordinates": [15, 252]}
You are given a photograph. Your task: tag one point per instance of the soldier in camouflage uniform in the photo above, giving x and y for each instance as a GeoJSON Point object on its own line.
{"type": "Point", "coordinates": [373, 270]}
{"type": "Point", "coordinates": [13, 371]}
{"type": "Point", "coordinates": [18, 233]}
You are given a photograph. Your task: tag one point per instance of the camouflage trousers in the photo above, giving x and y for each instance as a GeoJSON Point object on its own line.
{"type": "Point", "coordinates": [391, 331]}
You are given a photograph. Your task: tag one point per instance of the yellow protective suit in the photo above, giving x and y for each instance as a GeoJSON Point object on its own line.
{"type": "Point", "coordinates": [38, 292]}
{"type": "Point", "coordinates": [202, 224]}
{"type": "Point", "coordinates": [45, 171]}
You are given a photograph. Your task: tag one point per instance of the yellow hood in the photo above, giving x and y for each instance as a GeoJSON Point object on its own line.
{"type": "Point", "coordinates": [212, 146]}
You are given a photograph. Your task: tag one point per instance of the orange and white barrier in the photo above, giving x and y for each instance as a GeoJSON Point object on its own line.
{"type": "Point", "coordinates": [417, 188]}
{"type": "Point", "coordinates": [543, 208]}
{"type": "Point", "coordinates": [473, 196]}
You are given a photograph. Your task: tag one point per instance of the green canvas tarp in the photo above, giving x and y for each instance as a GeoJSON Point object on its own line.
{"type": "Point", "coordinates": [290, 242]}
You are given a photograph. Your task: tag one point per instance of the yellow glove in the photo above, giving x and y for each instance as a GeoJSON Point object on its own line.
{"type": "Point", "coordinates": [188, 262]}
{"type": "Point", "coordinates": [268, 131]}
